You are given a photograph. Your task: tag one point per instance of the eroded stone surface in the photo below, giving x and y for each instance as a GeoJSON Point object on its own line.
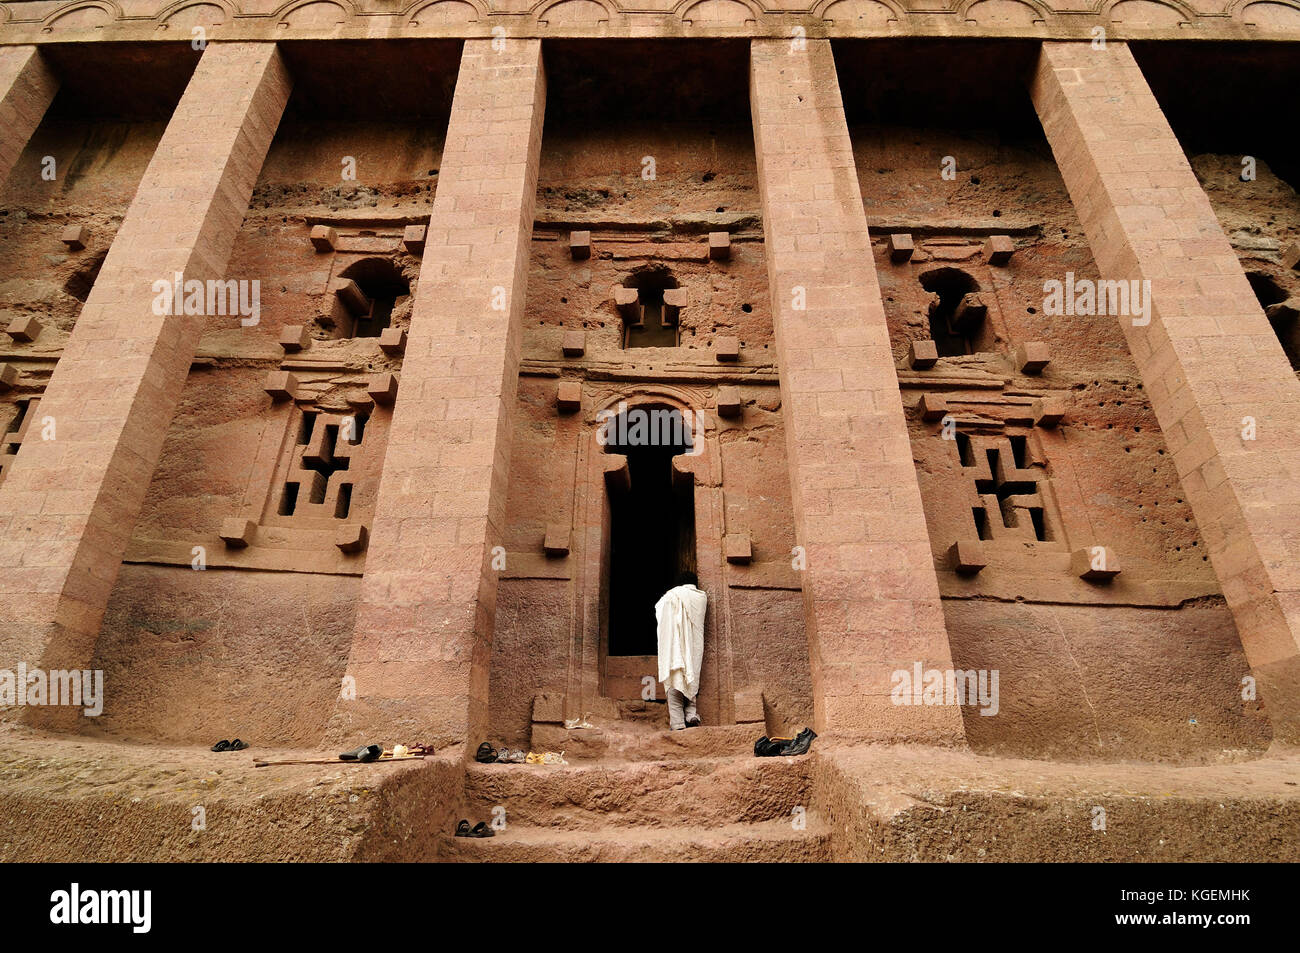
{"type": "Point", "coordinates": [920, 401]}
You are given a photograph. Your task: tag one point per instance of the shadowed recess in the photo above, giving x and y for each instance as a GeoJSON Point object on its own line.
{"type": "Point", "coordinates": [1228, 98]}
{"type": "Point", "coordinates": [121, 81]}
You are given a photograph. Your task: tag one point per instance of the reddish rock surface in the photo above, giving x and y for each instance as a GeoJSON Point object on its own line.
{"type": "Point", "coordinates": [384, 510]}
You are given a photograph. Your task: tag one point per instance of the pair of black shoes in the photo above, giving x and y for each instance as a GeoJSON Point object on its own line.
{"type": "Point", "coordinates": [224, 745]}
{"type": "Point", "coordinates": [766, 747]}
{"type": "Point", "coordinates": [480, 830]}
{"type": "Point", "coordinates": [365, 754]}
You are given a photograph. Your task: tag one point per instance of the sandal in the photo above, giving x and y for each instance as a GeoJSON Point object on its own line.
{"type": "Point", "coordinates": [237, 745]}
{"type": "Point", "coordinates": [486, 754]}
{"type": "Point", "coordinates": [462, 829]}
{"type": "Point", "coordinates": [482, 830]}
{"type": "Point", "coordinates": [221, 745]}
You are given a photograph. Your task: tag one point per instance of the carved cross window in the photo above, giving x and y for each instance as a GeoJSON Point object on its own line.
{"type": "Point", "coordinates": [1006, 502]}
{"type": "Point", "coordinates": [317, 482]}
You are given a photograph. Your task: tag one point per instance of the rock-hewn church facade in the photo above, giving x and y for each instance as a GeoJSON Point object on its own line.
{"type": "Point", "coordinates": [970, 332]}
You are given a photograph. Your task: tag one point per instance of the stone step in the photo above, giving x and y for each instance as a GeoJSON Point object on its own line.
{"type": "Point", "coordinates": [645, 739]}
{"type": "Point", "coordinates": [648, 794]}
{"type": "Point", "coordinates": [773, 841]}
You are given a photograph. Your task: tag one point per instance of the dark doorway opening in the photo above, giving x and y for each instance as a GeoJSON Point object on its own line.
{"type": "Point", "coordinates": [652, 531]}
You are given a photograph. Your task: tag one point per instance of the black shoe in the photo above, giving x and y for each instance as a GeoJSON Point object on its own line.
{"type": "Point", "coordinates": [693, 723]}
{"type": "Point", "coordinates": [237, 745]}
{"type": "Point", "coordinates": [222, 745]}
{"type": "Point", "coordinates": [481, 830]}
{"type": "Point", "coordinates": [462, 829]}
{"type": "Point", "coordinates": [486, 754]}
{"type": "Point", "coordinates": [800, 745]}
{"type": "Point", "coordinates": [364, 754]}
{"type": "Point", "coordinates": [767, 748]}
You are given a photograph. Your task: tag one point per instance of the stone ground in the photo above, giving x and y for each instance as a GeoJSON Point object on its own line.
{"type": "Point", "coordinates": [67, 798]}
{"type": "Point", "coordinates": [915, 803]}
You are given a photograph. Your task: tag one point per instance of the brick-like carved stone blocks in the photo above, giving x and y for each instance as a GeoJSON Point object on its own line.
{"type": "Point", "coordinates": [932, 407]}
{"type": "Point", "coordinates": [1048, 411]}
{"type": "Point", "coordinates": [1033, 356]}
{"type": "Point", "coordinates": [719, 246]}
{"type": "Point", "coordinates": [999, 249]}
{"type": "Point", "coordinates": [568, 396]}
{"type": "Point", "coordinates": [25, 328]}
{"type": "Point", "coordinates": [556, 542]}
{"type": "Point", "coordinates": [75, 237]}
{"type": "Point", "coordinates": [618, 477]}
{"type": "Point", "coordinates": [352, 537]}
{"type": "Point", "coordinates": [628, 304]}
{"type": "Point", "coordinates": [580, 245]}
{"type": "Point", "coordinates": [324, 238]}
{"type": "Point", "coordinates": [674, 300]}
{"type": "Point", "coordinates": [1291, 257]}
{"type": "Point", "coordinates": [922, 355]}
{"type": "Point", "coordinates": [350, 296]}
{"type": "Point", "coordinates": [392, 341]}
{"type": "Point", "coordinates": [382, 388]}
{"type": "Point", "coordinates": [736, 548]}
{"type": "Point", "coordinates": [574, 343]}
{"type": "Point", "coordinates": [729, 402]}
{"type": "Point", "coordinates": [900, 248]}
{"type": "Point", "coordinates": [726, 348]}
{"type": "Point", "coordinates": [969, 313]}
{"type": "Point", "coordinates": [413, 238]}
{"type": "Point", "coordinates": [1094, 563]}
{"type": "Point", "coordinates": [967, 556]}
{"type": "Point", "coordinates": [281, 385]}
{"type": "Point", "coordinates": [237, 533]}
{"type": "Point", "coordinates": [1288, 310]}
{"type": "Point", "coordinates": [293, 338]}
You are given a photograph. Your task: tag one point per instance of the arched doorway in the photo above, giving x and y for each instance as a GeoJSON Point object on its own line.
{"type": "Point", "coordinates": [652, 523]}
{"type": "Point", "coordinates": [636, 480]}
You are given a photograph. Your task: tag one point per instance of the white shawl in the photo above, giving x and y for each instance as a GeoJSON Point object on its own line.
{"type": "Point", "coordinates": [680, 614]}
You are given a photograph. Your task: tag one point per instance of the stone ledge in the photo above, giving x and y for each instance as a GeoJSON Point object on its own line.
{"type": "Point", "coordinates": [57, 791]}
{"type": "Point", "coordinates": [916, 803]}
{"type": "Point", "coordinates": [872, 803]}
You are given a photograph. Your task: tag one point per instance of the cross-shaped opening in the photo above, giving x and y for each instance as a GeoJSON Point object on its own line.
{"type": "Point", "coordinates": [322, 456]}
{"type": "Point", "coordinates": [1008, 493]}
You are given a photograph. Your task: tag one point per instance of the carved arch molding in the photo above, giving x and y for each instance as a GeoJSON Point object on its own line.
{"type": "Point", "coordinates": [65, 20]}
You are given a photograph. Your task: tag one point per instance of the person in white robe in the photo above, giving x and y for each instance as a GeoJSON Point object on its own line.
{"type": "Point", "coordinates": [680, 617]}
